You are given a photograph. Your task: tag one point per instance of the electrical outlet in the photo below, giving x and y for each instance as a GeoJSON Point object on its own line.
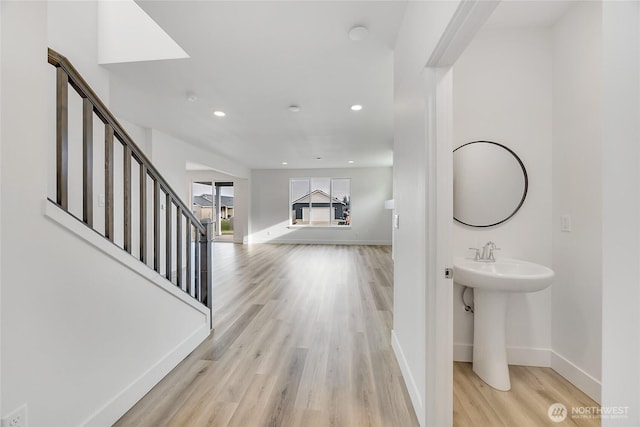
{"type": "Point", "coordinates": [17, 418]}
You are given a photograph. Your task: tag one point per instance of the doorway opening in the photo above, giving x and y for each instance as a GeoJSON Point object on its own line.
{"type": "Point", "coordinates": [213, 202]}
{"type": "Point", "coordinates": [224, 203]}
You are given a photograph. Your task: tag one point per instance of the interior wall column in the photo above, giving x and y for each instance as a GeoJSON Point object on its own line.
{"type": "Point", "coordinates": [218, 204]}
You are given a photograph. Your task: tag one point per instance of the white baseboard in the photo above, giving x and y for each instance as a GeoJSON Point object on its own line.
{"type": "Point", "coordinates": [529, 356]}
{"type": "Point", "coordinates": [123, 401]}
{"type": "Point", "coordinates": [541, 357]}
{"type": "Point", "coordinates": [515, 355]}
{"type": "Point", "coordinates": [414, 393]}
{"type": "Point", "coordinates": [585, 382]}
{"type": "Point", "coordinates": [321, 242]}
{"type": "Point", "coordinates": [462, 352]}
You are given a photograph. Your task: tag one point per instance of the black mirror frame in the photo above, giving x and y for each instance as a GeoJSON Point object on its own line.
{"type": "Point", "coordinates": [524, 193]}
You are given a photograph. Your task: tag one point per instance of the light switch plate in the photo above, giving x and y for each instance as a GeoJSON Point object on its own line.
{"type": "Point", "coordinates": [565, 223]}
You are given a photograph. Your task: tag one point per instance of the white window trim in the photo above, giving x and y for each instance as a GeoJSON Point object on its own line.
{"type": "Point", "coordinates": [322, 227]}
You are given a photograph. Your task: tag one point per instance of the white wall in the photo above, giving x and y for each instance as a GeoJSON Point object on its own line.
{"type": "Point", "coordinates": [170, 156]}
{"type": "Point", "coordinates": [503, 93]}
{"type": "Point", "coordinates": [82, 336]}
{"type": "Point", "coordinates": [422, 26]}
{"type": "Point", "coordinates": [139, 134]}
{"type": "Point", "coordinates": [621, 211]}
{"type": "Point", "coordinates": [78, 41]}
{"type": "Point", "coordinates": [576, 302]}
{"type": "Point", "coordinates": [269, 207]}
{"type": "Point", "coordinates": [1, 213]}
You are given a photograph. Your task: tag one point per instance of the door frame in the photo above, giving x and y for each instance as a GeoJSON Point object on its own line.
{"type": "Point", "coordinates": [469, 17]}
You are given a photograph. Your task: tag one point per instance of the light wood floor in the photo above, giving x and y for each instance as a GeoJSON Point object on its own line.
{"type": "Point", "coordinates": [301, 339]}
{"type": "Point", "coordinates": [533, 390]}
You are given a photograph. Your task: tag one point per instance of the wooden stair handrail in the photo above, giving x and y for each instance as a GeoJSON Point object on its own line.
{"type": "Point", "coordinates": [201, 273]}
{"type": "Point", "coordinates": [85, 91]}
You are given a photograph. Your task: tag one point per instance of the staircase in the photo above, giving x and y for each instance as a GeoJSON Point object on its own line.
{"type": "Point", "coordinates": [151, 223]}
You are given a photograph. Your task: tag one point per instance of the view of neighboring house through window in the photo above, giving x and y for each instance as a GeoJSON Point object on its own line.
{"type": "Point", "coordinates": [203, 201]}
{"type": "Point", "coordinates": [213, 202]}
{"type": "Point", "coordinates": [320, 202]}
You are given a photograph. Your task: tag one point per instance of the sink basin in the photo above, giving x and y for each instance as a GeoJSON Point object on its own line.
{"type": "Point", "coordinates": [493, 283]}
{"type": "Point", "coordinates": [505, 275]}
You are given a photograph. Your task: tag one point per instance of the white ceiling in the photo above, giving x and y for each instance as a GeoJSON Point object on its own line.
{"type": "Point", "coordinates": [254, 59]}
{"type": "Point", "coordinates": [527, 13]}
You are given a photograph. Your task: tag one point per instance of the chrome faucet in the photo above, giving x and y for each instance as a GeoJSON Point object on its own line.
{"type": "Point", "coordinates": [487, 252]}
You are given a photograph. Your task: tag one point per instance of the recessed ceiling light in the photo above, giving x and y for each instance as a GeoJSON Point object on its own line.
{"type": "Point", "coordinates": [358, 33]}
{"type": "Point", "coordinates": [219, 113]}
{"type": "Point", "coordinates": [356, 107]}
{"type": "Point", "coordinates": [294, 108]}
{"type": "Point", "coordinates": [285, 163]}
{"type": "Point", "coordinates": [192, 97]}
{"type": "Point", "coordinates": [351, 162]}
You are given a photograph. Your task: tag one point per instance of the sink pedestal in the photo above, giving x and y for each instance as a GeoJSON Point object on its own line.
{"type": "Point", "coordinates": [492, 283]}
{"type": "Point", "coordinates": [489, 344]}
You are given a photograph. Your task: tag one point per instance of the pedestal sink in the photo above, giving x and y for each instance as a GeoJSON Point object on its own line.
{"type": "Point", "coordinates": [492, 283]}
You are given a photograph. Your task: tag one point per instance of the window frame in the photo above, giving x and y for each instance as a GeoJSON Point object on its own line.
{"type": "Point", "coordinates": [310, 191]}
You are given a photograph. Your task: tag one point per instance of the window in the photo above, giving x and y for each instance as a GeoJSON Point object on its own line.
{"type": "Point", "coordinates": [320, 202]}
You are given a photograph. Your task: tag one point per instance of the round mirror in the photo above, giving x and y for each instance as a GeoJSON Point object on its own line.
{"type": "Point", "coordinates": [489, 183]}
